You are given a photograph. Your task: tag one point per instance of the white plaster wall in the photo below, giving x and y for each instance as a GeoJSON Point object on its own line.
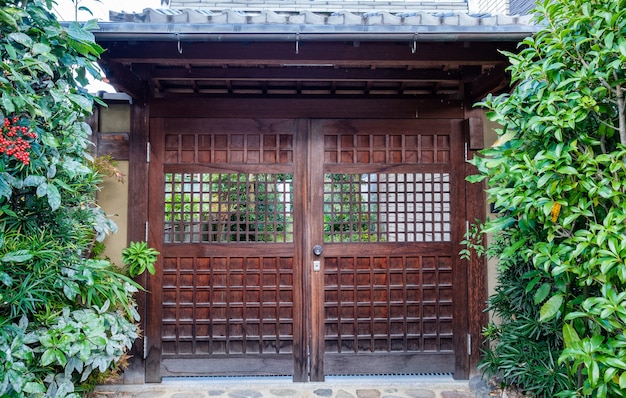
{"type": "Point", "coordinates": [113, 195]}
{"type": "Point", "coordinates": [113, 199]}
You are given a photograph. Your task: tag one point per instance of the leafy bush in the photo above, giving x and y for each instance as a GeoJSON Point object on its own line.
{"type": "Point", "coordinates": [66, 320]}
{"type": "Point", "coordinates": [558, 178]}
{"type": "Point", "coordinates": [523, 351]}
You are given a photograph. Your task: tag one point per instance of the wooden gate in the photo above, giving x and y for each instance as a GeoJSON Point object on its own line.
{"type": "Point", "coordinates": [307, 247]}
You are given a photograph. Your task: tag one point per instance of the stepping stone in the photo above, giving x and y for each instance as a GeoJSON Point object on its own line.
{"type": "Point", "coordinates": [323, 392]}
{"type": "Point", "coordinates": [245, 394]}
{"type": "Point", "coordinates": [420, 393]}
{"type": "Point", "coordinates": [284, 392]}
{"type": "Point", "coordinates": [370, 393]}
{"type": "Point", "coordinates": [185, 395]}
{"type": "Point", "coordinates": [148, 394]}
{"type": "Point", "coordinates": [457, 394]}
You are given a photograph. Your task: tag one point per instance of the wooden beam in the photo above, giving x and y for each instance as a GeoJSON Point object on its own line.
{"type": "Point", "coordinates": [138, 209]}
{"type": "Point", "coordinates": [306, 108]}
{"type": "Point", "coordinates": [493, 81]}
{"type": "Point", "coordinates": [123, 79]}
{"type": "Point", "coordinates": [373, 54]}
{"type": "Point", "coordinates": [308, 74]}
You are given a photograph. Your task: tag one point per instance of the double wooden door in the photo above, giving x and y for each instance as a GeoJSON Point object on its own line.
{"type": "Point", "coordinates": [307, 247]}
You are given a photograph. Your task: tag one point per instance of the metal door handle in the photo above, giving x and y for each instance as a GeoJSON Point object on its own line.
{"type": "Point", "coordinates": [317, 250]}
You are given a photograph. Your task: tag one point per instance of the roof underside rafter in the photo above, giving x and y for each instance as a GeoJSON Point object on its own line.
{"type": "Point", "coordinates": [178, 60]}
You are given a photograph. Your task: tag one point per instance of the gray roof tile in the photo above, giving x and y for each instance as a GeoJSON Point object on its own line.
{"type": "Point", "coordinates": [339, 17]}
{"type": "Point", "coordinates": [261, 24]}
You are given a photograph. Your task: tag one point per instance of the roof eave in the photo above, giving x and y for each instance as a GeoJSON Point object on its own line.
{"type": "Point", "coordinates": [129, 31]}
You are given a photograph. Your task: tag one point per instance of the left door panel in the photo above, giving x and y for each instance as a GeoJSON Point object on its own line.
{"type": "Point", "coordinates": [224, 206]}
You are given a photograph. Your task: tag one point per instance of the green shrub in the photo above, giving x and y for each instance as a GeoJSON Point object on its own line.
{"type": "Point", "coordinates": [66, 320]}
{"type": "Point", "coordinates": [557, 176]}
{"type": "Point", "coordinates": [139, 258]}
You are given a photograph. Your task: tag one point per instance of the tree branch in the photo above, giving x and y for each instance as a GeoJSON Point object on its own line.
{"type": "Point", "coordinates": [620, 110]}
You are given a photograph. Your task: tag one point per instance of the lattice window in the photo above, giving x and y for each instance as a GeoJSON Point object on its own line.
{"type": "Point", "coordinates": [411, 207]}
{"type": "Point", "coordinates": [221, 207]}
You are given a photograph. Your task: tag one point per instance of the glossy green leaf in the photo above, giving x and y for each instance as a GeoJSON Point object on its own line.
{"type": "Point", "coordinates": [542, 293]}
{"type": "Point", "coordinates": [569, 335]}
{"type": "Point", "coordinates": [18, 256]}
{"type": "Point", "coordinates": [7, 103]}
{"type": "Point", "coordinates": [54, 197]}
{"type": "Point", "coordinates": [550, 308]}
{"type": "Point", "coordinates": [21, 38]}
{"type": "Point", "coordinates": [615, 362]}
{"type": "Point", "coordinates": [48, 357]}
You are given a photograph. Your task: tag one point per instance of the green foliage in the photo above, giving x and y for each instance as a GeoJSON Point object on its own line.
{"type": "Point", "coordinates": [347, 217]}
{"type": "Point", "coordinates": [78, 7]}
{"type": "Point", "coordinates": [65, 319]}
{"type": "Point", "coordinates": [558, 179]}
{"type": "Point", "coordinates": [230, 207]}
{"type": "Point", "coordinates": [523, 350]}
{"type": "Point", "coordinates": [139, 258]}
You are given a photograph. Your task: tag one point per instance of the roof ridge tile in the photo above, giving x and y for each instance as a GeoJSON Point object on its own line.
{"type": "Point", "coordinates": [337, 18]}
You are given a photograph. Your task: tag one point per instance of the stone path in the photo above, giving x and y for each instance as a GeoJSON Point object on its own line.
{"type": "Point", "coordinates": [350, 387]}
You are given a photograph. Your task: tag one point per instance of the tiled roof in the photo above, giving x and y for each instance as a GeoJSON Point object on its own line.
{"type": "Point", "coordinates": [343, 21]}
{"type": "Point", "coordinates": [432, 54]}
{"type": "Point", "coordinates": [324, 5]}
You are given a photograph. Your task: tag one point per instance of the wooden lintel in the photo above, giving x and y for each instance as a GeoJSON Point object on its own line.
{"type": "Point", "coordinates": [307, 108]}
{"type": "Point", "coordinates": [316, 74]}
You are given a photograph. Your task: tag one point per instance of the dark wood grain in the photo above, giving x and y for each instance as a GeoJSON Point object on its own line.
{"type": "Point", "coordinates": [260, 307]}
{"type": "Point", "coordinates": [376, 363]}
{"type": "Point", "coordinates": [115, 145]}
{"type": "Point", "coordinates": [324, 107]}
{"type": "Point", "coordinates": [477, 265]}
{"type": "Point", "coordinates": [138, 208]}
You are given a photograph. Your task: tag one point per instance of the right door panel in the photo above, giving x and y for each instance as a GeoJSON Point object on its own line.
{"type": "Point", "coordinates": [392, 289]}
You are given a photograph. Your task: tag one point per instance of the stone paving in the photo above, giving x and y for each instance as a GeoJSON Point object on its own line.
{"type": "Point", "coordinates": [350, 387]}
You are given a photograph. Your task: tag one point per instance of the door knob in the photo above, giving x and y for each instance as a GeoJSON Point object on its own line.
{"type": "Point", "coordinates": [317, 250]}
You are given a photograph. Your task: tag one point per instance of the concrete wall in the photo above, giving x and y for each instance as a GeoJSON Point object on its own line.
{"type": "Point", "coordinates": [494, 7]}
{"type": "Point", "coordinates": [503, 7]}
{"type": "Point", "coordinates": [521, 7]}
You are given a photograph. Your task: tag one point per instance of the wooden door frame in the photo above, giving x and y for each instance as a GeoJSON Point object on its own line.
{"type": "Point", "coordinates": [302, 292]}
{"type": "Point", "coordinates": [145, 350]}
{"type": "Point", "coordinates": [315, 168]}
